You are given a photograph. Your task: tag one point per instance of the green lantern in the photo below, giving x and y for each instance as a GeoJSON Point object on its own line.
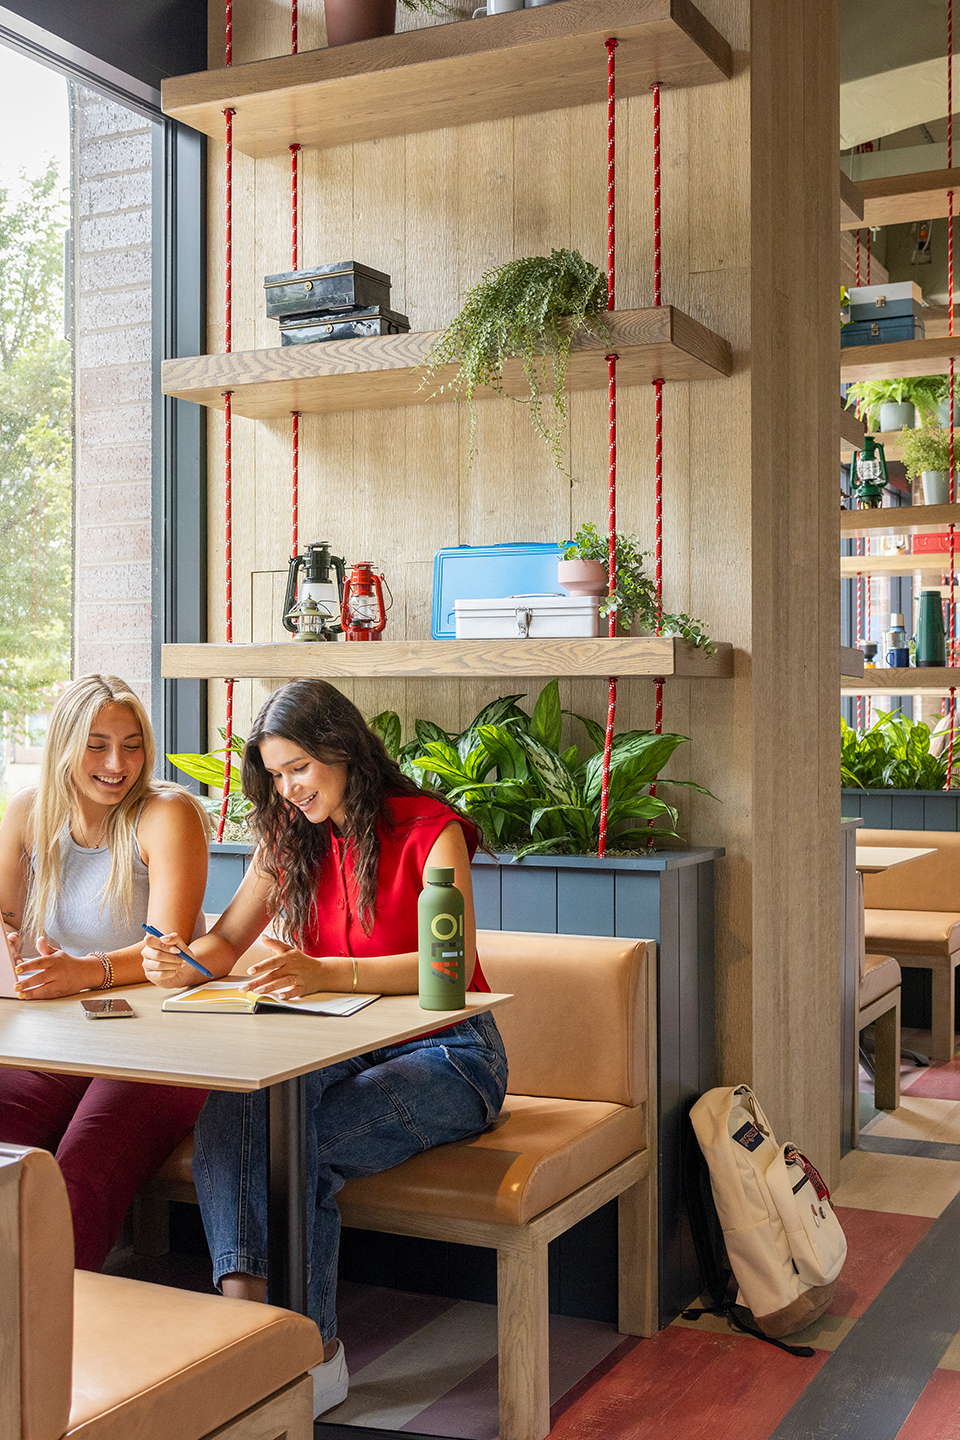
{"type": "Point", "coordinates": [868, 477]}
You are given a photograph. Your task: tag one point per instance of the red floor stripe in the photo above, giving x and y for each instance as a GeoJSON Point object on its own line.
{"type": "Point", "coordinates": [686, 1383]}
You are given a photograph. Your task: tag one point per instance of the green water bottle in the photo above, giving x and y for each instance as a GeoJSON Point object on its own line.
{"type": "Point", "coordinates": [440, 933]}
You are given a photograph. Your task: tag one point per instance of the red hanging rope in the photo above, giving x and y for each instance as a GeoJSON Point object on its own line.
{"type": "Point", "coordinates": [859, 631]}
{"type": "Point", "coordinates": [869, 242]}
{"type": "Point", "coordinates": [294, 206]}
{"type": "Point", "coordinates": [612, 620]}
{"type": "Point", "coordinates": [858, 258]}
{"type": "Point", "coordinates": [295, 486]}
{"type": "Point", "coordinates": [952, 603]}
{"type": "Point", "coordinates": [658, 393]}
{"type": "Point", "coordinates": [228, 432]}
{"type": "Point", "coordinates": [293, 34]}
{"type": "Point", "coordinates": [228, 34]}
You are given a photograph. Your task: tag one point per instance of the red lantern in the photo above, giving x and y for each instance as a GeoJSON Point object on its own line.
{"type": "Point", "coordinates": [363, 613]}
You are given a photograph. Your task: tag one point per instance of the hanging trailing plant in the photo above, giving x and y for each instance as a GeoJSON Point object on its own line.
{"type": "Point", "coordinates": [530, 308]}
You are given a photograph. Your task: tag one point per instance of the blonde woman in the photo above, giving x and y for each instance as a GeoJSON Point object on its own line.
{"type": "Point", "coordinates": [89, 854]}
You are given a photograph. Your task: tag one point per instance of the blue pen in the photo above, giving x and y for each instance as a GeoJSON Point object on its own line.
{"type": "Point", "coordinates": [183, 956]}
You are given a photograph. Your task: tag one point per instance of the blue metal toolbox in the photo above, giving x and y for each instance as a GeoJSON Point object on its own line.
{"type": "Point", "coordinates": [481, 572]}
{"type": "Point", "coordinates": [880, 332]}
{"type": "Point", "coordinates": [889, 310]}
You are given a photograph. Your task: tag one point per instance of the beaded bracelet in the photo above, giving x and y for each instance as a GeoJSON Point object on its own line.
{"type": "Point", "coordinates": [107, 982]}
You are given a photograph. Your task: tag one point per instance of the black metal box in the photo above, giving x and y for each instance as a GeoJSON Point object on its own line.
{"type": "Point", "coordinates": [308, 329]}
{"type": "Point", "coordinates": [324, 288]}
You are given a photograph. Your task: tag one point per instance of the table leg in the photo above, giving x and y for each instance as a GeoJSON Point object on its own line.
{"type": "Point", "coordinates": [286, 1194]}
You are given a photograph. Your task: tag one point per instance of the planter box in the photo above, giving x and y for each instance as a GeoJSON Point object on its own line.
{"type": "Point", "coordinates": [666, 897]}
{"type": "Point", "coordinates": [904, 809]}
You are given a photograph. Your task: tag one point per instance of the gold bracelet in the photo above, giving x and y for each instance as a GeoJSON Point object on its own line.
{"type": "Point", "coordinates": [354, 976]}
{"type": "Point", "coordinates": [107, 982]}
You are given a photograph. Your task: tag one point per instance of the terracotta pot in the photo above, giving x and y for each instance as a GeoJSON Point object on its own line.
{"type": "Point", "coordinates": [351, 20]}
{"type": "Point", "coordinates": [582, 577]}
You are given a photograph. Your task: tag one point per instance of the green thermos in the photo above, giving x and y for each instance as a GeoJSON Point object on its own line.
{"type": "Point", "coordinates": [931, 644]}
{"type": "Point", "coordinates": [440, 934]}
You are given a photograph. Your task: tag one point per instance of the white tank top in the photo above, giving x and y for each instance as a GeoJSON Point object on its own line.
{"type": "Point", "coordinates": [80, 920]}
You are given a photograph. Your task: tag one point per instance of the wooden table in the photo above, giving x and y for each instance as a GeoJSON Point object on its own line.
{"type": "Point", "coordinates": [872, 859]}
{"type": "Point", "coordinates": [226, 1052]}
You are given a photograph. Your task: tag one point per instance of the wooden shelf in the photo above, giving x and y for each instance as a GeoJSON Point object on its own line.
{"type": "Point", "coordinates": [902, 564]}
{"type": "Point", "coordinates": [910, 681]}
{"type": "Point", "coordinates": [891, 441]}
{"type": "Point", "coordinates": [466, 659]}
{"type": "Point", "coordinates": [898, 199]}
{"type": "Point", "coordinates": [548, 58]}
{"type": "Point", "coordinates": [852, 431]}
{"type": "Point", "coordinates": [381, 372]}
{"type": "Point", "coordinates": [902, 357]}
{"type": "Point", "coordinates": [851, 663]}
{"type": "Point", "coordinates": [908, 520]}
{"type": "Point", "coordinates": [851, 203]}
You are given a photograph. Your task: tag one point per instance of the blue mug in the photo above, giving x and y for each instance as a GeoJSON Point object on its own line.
{"type": "Point", "coordinates": [897, 659]}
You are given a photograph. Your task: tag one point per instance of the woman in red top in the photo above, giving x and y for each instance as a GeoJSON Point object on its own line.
{"type": "Point", "coordinates": [344, 840]}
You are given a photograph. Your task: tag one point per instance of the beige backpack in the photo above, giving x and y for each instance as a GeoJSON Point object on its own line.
{"type": "Point", "coordinates": [785, 1244]}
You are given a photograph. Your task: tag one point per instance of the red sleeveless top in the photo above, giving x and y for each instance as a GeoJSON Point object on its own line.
{"type": "Point", "coordinates": [335, 928]}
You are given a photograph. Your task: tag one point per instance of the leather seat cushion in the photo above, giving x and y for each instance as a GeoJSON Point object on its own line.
{"type": "Point", "coordinates": [179, 1165]}
{"type": "Point", "coordinates": [881, 973]}
{"type": "Point", "coordinates": [154, 1362]}
{"type": "Point", "coordinates": [913, 932]}
{"type": "Point", "coordinates": [931, 882]}
{"type": "Point", "coordinates": [538, 1152]}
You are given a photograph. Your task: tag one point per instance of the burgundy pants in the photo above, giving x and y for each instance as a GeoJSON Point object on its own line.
{"type": "Point", "coordinates": [108, 1136]}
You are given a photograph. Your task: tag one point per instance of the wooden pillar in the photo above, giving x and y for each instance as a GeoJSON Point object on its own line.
{"type": "Point", "coordinates": [794, 139]}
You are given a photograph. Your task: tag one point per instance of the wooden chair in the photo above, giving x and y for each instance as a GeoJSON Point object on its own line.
{"type": "Point", "coordinates": [575, 1132]}
{"type": "Point", "coordinates": [96, 1357]}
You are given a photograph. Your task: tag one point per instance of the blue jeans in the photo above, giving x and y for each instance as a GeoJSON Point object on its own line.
{"type": "Point", "coordinates": [368, 1114]}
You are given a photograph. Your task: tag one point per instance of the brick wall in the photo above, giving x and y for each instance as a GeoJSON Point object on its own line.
{"type": "Point", "coordinates": [111, 180]}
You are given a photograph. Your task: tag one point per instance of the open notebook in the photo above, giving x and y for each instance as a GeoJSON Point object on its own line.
{"type": "Point", "coordinates": [224, 997]}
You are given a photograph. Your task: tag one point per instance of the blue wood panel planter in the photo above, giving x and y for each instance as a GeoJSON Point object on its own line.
{"type": "Point", "coordinates": [903, 809]}
{"type": "Point", "coordinates": [666, 897]}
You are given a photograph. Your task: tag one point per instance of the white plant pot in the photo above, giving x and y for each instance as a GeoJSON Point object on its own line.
{"type": "Point", "coordinates": [936, 487]}
{"type": "Point", "coordinates": [895, 417]}
{"type": "Point", "coordinates": [943, 412]}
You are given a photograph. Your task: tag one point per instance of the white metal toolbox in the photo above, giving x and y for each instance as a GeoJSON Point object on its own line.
{"type": "Point", "coordinates": [527, 617]}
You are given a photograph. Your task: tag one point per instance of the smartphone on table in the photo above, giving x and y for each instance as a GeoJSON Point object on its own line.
{"type": "Point", "coordinates": [110, 1007]}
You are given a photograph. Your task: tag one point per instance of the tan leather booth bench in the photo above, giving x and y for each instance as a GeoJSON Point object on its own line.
{"type": "Point", "coordinates": [97, 1357]}
{"type": "Point", "coordinates": [912, 913]}
{"type": "Point", "coordinates": [575, 1132]}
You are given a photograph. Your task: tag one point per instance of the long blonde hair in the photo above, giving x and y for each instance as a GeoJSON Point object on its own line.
{"type": "Point", "coordinates": [71, 720]}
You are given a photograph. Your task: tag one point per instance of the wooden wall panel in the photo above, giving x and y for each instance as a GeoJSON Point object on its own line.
{"type": "Point", "coordinates": [750, 249]}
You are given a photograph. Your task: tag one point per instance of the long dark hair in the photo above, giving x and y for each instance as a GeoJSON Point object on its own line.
{"type": "Point", "coordinates": [327, 726]}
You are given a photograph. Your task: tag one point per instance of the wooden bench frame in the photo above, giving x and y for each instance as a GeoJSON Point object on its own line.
{"type": "Point", "coordinates": [522, 1264]}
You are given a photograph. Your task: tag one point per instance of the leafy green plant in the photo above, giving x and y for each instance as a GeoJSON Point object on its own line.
{"type": "Point", "coordinates": [892, 754]}
{"type": "Point", "coordinates": [922, 391]}
{"type": "Point", "coordinates": [209, 769]}
{"type": "Point", "coordinates": [925, 449]}
{"type": "Point", "coordinates": [508, 770]}
{"type": "Point", "coordinates": [531, 308]}
{"type": "Point", "coordinates": [635, 594]}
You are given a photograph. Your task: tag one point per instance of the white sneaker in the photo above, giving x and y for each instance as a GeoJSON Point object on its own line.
{"type": "Point", "coordinates": [330, 1382]}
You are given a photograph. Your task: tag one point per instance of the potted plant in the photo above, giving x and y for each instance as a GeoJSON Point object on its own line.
{"type": "Point", "coordinates": [926, 453]}
{"type": "Point", "coordinates": [348, 21]}
{"type": "Point", "coordinates": [892, 404]}
{"type": "Point", "coordinates": [531, 308]}
{"type": "Point", "coordinates": [635, 594]}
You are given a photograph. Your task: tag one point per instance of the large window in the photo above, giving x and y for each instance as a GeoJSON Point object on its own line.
{"type": "Point", "coordinates": [76, 351]}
